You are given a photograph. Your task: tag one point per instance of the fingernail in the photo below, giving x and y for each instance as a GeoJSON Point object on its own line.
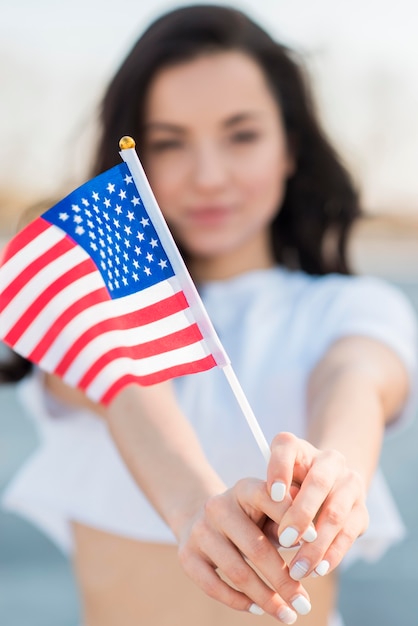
{"type": "Point", "coordinates": [310, 534]}
{"type": "Point", "coordinates": [301, 605]}
{"type": "Point", "coordinates": [255, 609]}
{"type": "Point", "coordinates": [322, 568]}
{"type": "Point", "coordinates": [299, 569]}
{"type": "Point", "coordinates": [287, 616]}
{"type": "Point", "coordinates": [288, 537]}
{"type": "Point", "coordinates": [278, 492]}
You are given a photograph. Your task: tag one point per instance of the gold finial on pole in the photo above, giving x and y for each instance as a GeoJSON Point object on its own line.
{"type": "Point", "coordinates": [126, 142]}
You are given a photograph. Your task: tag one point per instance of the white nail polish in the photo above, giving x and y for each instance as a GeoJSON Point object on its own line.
{"type": "Point", "coordinates": [278, 492]}
{"type": "Point", "coordinates": [255, 609]}
{"type": "Point", "coordinates": [301, 605]}
{"type": "Point", "coordinates": [322, 568]}
{"type": "Point", "coordinates": [287, 616]}
{"type": "Point", "coordinates": [310, 534]}
{"type": "Point", "coordinates": [288, 537]}
{"type": "Point", "coordinates": [299, 569]}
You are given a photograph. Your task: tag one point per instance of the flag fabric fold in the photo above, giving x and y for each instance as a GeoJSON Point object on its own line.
{"type": "Point", "coordinates": [88, 292]}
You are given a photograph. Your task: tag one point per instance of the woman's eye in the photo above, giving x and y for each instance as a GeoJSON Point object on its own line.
{"type": "Point", "coordinates": [245, 136]}
{"type": "Point", "coordinates": [165, 145]}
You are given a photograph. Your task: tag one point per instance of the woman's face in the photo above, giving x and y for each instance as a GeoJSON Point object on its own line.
{"type": "Point", "coordinates": [217, 158]}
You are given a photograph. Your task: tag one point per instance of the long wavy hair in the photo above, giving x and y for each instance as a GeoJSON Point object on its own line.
{"type": "Point", "coordinates": [311, 228]}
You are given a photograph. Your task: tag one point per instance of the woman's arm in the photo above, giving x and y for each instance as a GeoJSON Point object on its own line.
{"type": "Point", "coordinates": [354, 391]}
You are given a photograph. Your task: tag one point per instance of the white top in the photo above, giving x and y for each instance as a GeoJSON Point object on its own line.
{"type": "Point", "coordinates": [275, 325]}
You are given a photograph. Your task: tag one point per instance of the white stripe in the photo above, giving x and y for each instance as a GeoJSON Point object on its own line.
{"type": "Point", "coordinates": [103, 311]}
{"type": "Point", "coordinates": [28, 254]}
{"type": "Point", "coordinates": [126, 338]}
{"type": "Point", "coordinates": [120, 367]}
{"type": "Point", "coordinates": [37, 285]}
{"type": "Point", "coordinates": [52, 311]}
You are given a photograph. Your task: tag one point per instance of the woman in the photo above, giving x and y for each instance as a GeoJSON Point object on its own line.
{"type": "Point", "coordinates": [261, 208]}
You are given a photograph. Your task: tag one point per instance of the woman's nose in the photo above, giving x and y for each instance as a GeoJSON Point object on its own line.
{"type": "Point", "coordinates": [210, 167]}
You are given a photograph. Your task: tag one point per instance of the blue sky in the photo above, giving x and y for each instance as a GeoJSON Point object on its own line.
{"type": "Point", "coordinates": [56, 56]}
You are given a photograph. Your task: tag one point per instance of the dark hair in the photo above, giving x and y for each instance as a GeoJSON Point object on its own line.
{"type": "Point", "coordinates": [320, 204]}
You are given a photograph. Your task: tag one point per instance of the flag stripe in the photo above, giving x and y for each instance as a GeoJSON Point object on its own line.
{"type": "Point", "coordinates": [25, 237]}
{"type": "Point", "coordinates": [104, 310]}
{"type": "Point", "coordinates": [128, 330]}
{"type": "Point", "coordinates": [45, 238]}
{"type": "Point", "coordinates": [36, 286]}
{"type": "Point", "coordinates": [111, 392]}
{"type": "Point", "coordinates": [186, 336]}
{"type": "Point", "coordinates": [51, 333]}
{"type": "Point", "coordinates": [152, 369]}
{"type": "Point", "coordinates": [39, 303]}
{"type": "Point", "coordinates": [31, 270]}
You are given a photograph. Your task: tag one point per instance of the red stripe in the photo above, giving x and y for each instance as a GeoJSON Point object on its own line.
{"type": "Point", "coordinates": [31, 270]}
{"type": "Point", "coordinates": [154, 312]}
{"type": "Point", "coordinates": [39, 303]}
{"type": "Point", "coordinates": [25, 236]}
{"type": "Point", "coordinates": [195, 367]}
{"type": "Point", "coordinates": [178, 339]}
{"type": "Point", "coordinates": [87, 301]}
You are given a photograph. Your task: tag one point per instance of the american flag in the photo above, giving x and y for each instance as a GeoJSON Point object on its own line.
{"type": "Point", "coordinates": [88, 292]}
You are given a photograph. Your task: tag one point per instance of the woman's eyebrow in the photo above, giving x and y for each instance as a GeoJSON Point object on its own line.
{"type": "Point", "coordinates": [164, 126]}
{"type": "Point", "coordinates": [245, 116]}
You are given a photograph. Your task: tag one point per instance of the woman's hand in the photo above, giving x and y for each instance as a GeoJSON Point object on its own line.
{"type": "Point", "coordinates": [225, 551]}
{"type": "Point", "coordinates": [325, 492]}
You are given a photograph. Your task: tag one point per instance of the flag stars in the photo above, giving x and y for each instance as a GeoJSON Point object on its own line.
{"type": "Point", "coordinates": [135, 276]}
{"type": "Point", "coordinates": [111, 188]}
{"type": "Point", "coordinates": [150, 257]}
{"type": "Point", "coordinates": [101, 231]}
{"type": "Point", "coordinates": [75, 208]}
{"type": "Point", "coordinates": [125, 280]}
{"type": "Point", "coordinates": [144, 221]}
{"type": "Point", "coordinates": [64, 217]}
{"type": "Point", "coordinates": [127, 243]}
{"type": "Point", "coordinates": [80, 230]}
{"type": "Point", "coordinates": [137, 250]}
{"type": "Point", "coordinates": [122, 194]}
{"type": "Point", "coordinates": [106, 216]}
{"type": "Point", "coordinates": [131, 216]}
{"type": "Point", "coordinates": [127, 230]}
{"type": "Point", "coordinates": [135, 200]}
{"type": "Point", "coordinates": [147, 271]}
{"type": "Point", "coordinates": [125, 269]}
{"type": "Point", "coordinates": [135, 264]}
{"type": "Point", "coordinates": [95, 196]}
{"type": "Point", "coordinates": [162, 264]}
{"type": "Point", "coordinates": [126, 256]}
{"type": "Point", "coordinates": [85, 202]}
{"type": "Point", "coordinates": [118, 209]}
{"type": "Point", "coordinates": [77, 219]}
{"type": "Point", "coordinates": [93, 246]}
{"type": "Point", "coordinates": [90, 224]}
{"type": "Point", "coordinates": [106, 202]}
{"type": "Point", "coordinates": [140, 236]}
{"type": "Point", "coordinates": [88, 213]}
{"type": "Point", "coordinates": [116, 223]}
{"type": "Point", "coordinates": [153, 243]}
{"type": "Point", "coordinates": [128, 179]}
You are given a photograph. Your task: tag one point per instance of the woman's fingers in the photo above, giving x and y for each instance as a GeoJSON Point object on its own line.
{"type": "Point", "coordinates": [249, 571]}
{"type": "Point", "coordinates": [330, 495]}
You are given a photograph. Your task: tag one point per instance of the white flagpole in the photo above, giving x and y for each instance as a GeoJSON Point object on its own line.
{"type": "Point", "coordinates": [247, 411]}
{"type": "Point", "coordinates": [129, 155]}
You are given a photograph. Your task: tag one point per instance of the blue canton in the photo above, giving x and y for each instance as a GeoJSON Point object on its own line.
{"type": "Point", "coordinates": [107, 218]}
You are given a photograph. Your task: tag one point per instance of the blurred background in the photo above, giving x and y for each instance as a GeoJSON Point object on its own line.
{"type": "Point", "coordinates": [56, 57]}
